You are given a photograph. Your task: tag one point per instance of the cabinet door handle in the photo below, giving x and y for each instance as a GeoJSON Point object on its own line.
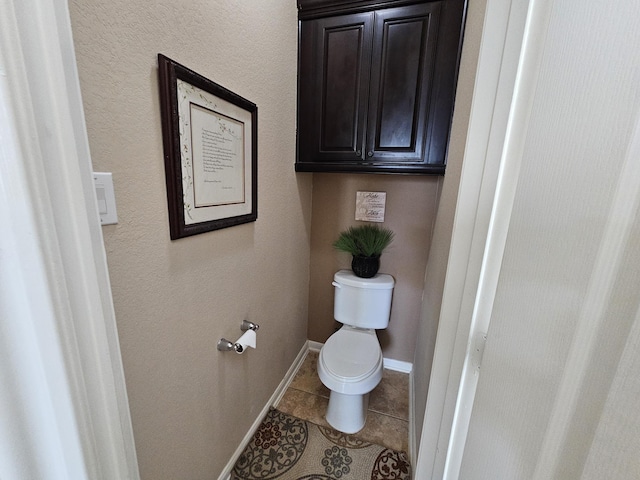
{"type": "Point", "coordinates": [369, 154]}
{"type": "Point", "coordinates": [358, 153]}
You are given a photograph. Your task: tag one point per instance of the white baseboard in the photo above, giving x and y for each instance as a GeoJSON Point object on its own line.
{"type": "Point", "coordinates": [398, 365]}
{"type": "Point", "coordinates": [412, 423]}
{"type": "Point", "coordinates": [273, 400]}
{"type": "Point", "coordinates": [288, 378]}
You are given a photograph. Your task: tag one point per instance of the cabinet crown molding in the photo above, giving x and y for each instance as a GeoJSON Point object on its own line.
{"type": "Point", "coordinates": [317, 8]}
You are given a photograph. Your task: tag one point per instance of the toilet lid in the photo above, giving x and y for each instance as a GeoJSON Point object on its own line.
{"type": "Point", "coordinates": [351, 354]}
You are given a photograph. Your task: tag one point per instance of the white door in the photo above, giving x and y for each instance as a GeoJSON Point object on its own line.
{"type": "Point", "coordinates": [558, 385]}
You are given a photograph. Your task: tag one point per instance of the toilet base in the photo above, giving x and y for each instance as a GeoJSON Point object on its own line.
{"type": "Point", "coordinates": [347, 413]}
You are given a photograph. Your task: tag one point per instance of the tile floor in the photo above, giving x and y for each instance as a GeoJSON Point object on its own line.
{"type": "Point", "coordinates": [388, 415]}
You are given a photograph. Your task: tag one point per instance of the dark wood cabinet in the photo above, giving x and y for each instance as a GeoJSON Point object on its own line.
{"type": "Point", "coordinates": [376, 85]}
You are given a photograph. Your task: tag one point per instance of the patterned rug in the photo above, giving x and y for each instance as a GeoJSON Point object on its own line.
{"type": "Point", "coordinates": [288, 448]}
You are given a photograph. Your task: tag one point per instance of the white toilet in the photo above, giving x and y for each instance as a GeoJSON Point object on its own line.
{"type": "Point", "coordinates": [350, 362]}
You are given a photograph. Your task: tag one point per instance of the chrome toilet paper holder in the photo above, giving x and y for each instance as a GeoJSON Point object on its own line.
{"type": "Point", "coordinates": [225, 345]}
{"type": "Point", "coordinates": [247, 325]}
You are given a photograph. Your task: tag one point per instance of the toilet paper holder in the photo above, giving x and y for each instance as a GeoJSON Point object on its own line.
{"type": "Point", "coordinates": [225, 345]}
{"type": "Point", "coordinates": [247, 325]}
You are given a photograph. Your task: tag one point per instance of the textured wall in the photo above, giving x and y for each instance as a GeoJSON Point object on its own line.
{"type": "Point", "coordinates": [190, 404]}
{"type": "Point", "coordinates": [410, 213]}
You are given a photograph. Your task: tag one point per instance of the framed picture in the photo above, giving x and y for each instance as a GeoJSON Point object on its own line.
{"type": "Point", "coordinates": [210, 138]}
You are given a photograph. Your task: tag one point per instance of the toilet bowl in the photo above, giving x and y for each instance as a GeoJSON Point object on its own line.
{"type": "Point", "coordinates": [350, 362]}
{"type": "Point", "coordinates": [350, 365]}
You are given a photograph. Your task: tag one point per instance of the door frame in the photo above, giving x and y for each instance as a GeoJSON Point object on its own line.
{"type": "Point", "coordinates": [506, 75]}
{"type": "Point", "coordinates": [60, 353]}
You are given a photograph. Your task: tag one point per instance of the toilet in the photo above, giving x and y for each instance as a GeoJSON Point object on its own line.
{"type": "Point", "coordinates": [350, 362]}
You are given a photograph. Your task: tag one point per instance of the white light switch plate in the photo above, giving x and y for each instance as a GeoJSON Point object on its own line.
{"type": "Point", "coordinates": [106, 198]}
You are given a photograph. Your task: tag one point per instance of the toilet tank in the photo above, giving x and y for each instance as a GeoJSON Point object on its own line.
{"type": "Point", "coordinates": [362, 302]}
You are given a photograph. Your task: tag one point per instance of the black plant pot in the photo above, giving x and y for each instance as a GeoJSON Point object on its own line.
{"type": "Point", "coordinates": [365, 267]}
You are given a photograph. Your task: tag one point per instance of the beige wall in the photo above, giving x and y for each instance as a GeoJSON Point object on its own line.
{"type": "Point", "coordinates": [410, 213]}
{"type": "Point", "coordinates": [190, 404]}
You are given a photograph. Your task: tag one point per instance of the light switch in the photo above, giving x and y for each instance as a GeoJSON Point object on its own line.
{"type": "Point", "coordinates": [106, 198]}
{"type": "Point", "coordinates": [102, 200]}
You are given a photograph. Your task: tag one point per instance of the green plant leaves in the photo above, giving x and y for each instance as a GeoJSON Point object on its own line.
{"type": "Point", "coordinates": [366, 240]}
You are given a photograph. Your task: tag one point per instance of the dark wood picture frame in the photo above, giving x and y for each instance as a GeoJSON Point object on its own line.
{"type": "Point", "coordinates": [227, 176]}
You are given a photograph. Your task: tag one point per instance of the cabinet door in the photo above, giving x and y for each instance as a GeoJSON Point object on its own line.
{"type": "Point", "coordinates": [376, 88]}
{"type": "Point", "coordinates": [334, 78]}
{"type": "Point", "coordinates": [404, 47]}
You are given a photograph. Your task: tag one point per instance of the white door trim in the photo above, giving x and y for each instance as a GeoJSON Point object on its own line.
{"type": "Point", "coordinates": [499, 104]}
{"type": "Point", "coordinates": [537, 20]}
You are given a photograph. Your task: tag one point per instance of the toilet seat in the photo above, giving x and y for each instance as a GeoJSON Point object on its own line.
{"type": "Point", "coordinates": [351, 354]}
{"type": "Point", "coordinates": [351, 361]}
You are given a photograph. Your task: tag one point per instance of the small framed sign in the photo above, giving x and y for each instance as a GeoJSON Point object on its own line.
{"type": "Point", "coordinates": [370, 206]}
{"type": "Point", "coordinates": [210, 138]}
